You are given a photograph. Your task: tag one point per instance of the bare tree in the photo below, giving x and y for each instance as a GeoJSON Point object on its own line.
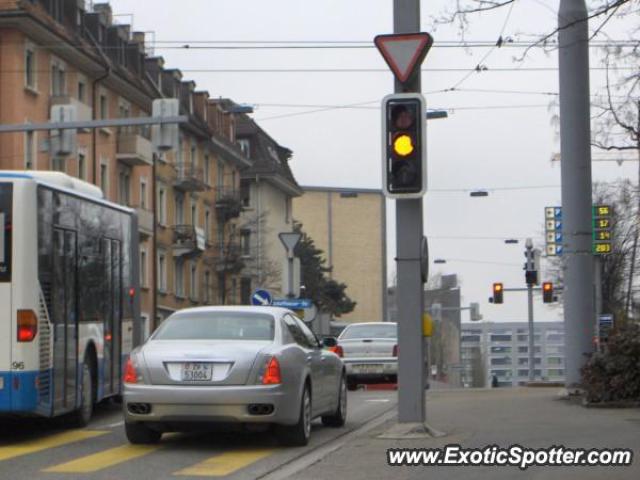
{"type": "Point", "coordinates": [265, 271]}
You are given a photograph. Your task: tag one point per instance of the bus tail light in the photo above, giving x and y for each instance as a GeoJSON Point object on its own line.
{"type": "Point", "coordinates": [27, 325]}
{"type": "Point", "coordinates": [130, 373]}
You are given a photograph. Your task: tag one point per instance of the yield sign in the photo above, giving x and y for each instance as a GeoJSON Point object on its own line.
{"type": "Point", "coordinates": [404, 52]}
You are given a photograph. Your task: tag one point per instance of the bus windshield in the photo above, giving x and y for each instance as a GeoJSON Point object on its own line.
{"type": "Point", "coordinates": [5, 231]}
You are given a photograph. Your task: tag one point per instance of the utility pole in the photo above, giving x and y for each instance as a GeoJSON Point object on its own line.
{"type": "Point", "coordinates": [411, 362]}
{"type": "Point", "coordinates": [575, 147]}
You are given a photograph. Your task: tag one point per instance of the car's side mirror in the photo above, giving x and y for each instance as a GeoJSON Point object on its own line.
{"type": "Point", "coordinates": [329, 342]}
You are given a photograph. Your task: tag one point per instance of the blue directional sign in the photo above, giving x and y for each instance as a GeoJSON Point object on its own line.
{"type": "Point", "coordinates": [261, 298]}
{"type": "Point", "coordinates": [292, 303]}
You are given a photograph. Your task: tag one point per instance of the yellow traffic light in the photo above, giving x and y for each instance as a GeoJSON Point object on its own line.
{"type": "Point", "coordinates": [403, 145]}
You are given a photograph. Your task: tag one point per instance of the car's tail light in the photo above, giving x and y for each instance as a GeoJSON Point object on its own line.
{"type": "Point", "coordinates": [272, 374]}
{"type": "Point", "coordinates": [27, 325]}
{"type": "Point", "coordinates": [337, 350]}
{"type": "Point", "coordinates": [130, 373]}
{"type": "Point", "coordinates": [395, 350]}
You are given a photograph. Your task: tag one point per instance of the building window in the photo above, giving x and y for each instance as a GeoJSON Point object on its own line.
{"type": "Point", "coordinates": [193, 281]}
{"type": "Point", "coordinates": [245, 242]}
{"type": "Point", "coordinates": [194, 212]}
{"type": "Point", "coordinates": [554, 361]}
{"type": "Point", "coordinates": [220, 179]}
{"type": "Point", "coordinates": [555, 372]}
{"type": "Point", "coordinates": [162, 205]}
{"type": "Point", "coordinates": [500, 338]}
{"type": "Point", "coordinates": [82, 166]}
{"type": "Point", "coordinates": [245, 193]}
{"type": "Point", "coordinates": [194, 156]}
{"type": "Point", "coordinates": [179, 277]}
{"type": "Point", "coordinates": [124, 187]}
{"type": "Point", "coordinates": [143, 193]}
{"type": "Point", "coordinates": [30, 67]}
{"type": "Point", "coordinates": [162, 272]}
{"type": "Point", "coordinates": [287, 210]}
{"type": "Point", "coordinates": [500, 349]}
{"type": "Point", "coordinates": [207, 225]}
{"type": "Point", "coordinates": [104, 106]}
{"type": "Point", "coordinates": [179, 207]}
{"type": "Point", "coordinates": [207, 169]}
{"type": "Point", "coordinates": [58, 85]}
{"type": "Point", "coordinates": [82, 90]}
{"type": "Point", "coordinates": [57, 164]}
{"type": "Point", "coordinates": [29, 150]}
{"type": "Point", "coordinates": [143, 268]}
{"type": "Point", "coordinates": [104, 178]}
{"type": "Point", "coordinates": [245, 146]}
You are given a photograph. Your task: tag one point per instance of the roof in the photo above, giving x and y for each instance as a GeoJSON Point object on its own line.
{"type": "Point", "coordinates": [275, 311]}
{"type": "Point", "coordinates": [309, 188]}
{"type": "Point", "coordinates": [269, 158]}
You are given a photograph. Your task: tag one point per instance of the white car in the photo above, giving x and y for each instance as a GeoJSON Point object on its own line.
{"type": "Point", "coordinates": [370, 353]}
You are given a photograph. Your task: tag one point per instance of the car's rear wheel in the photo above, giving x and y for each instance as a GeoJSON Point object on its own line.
{"type": "Point", "coordinates": [339, 417]}
{"type": "Point", "coordinates": [297, 435]}
{"type": "Point", "coordinates": [139, 433]}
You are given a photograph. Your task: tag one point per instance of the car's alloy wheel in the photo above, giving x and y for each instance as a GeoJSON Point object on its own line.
{"type": "Point", "coordinates": [339, 417]}
{"type": "Point", "coordinates": [297, 435]}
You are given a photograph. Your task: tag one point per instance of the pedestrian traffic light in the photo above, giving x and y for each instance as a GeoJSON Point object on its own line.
{"type": "Point", "coordinates": [547, 292]}
{"type": "Point", "coordinates": [498, 292]}
{"type": "Point", "coordinates": [404, 145]}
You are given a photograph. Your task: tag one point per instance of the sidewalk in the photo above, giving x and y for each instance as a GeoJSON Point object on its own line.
{"type": "Point", "coordinates": [533, 417]}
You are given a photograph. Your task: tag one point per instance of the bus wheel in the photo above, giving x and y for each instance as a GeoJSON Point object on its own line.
{"type": "Point", "coordinates": [82, 416]}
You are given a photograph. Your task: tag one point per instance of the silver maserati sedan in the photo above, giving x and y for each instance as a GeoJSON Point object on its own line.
{"type": "Point", "coordinates": [247, 365]}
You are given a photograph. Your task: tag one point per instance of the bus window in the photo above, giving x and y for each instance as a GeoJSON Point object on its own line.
{"type": "Point", "coordinates": [6, 191]}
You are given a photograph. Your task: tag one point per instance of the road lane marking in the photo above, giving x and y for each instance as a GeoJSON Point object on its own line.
{"type": "Point", "coordinates": [111, 425]}
{"type": "Point", "coordinates": [52, 441]}
{"type": "Point", "coordinates": [105, 459]}
{"type": "Point", "coordinates": [378, 400]}
{"type": "Point", "coordinates": [225, 463]}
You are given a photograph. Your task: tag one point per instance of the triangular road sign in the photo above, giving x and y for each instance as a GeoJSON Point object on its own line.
{"type": "Point", "coordinates": [404, 52]}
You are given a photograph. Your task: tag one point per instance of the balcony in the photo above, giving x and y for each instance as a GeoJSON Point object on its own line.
{"type": "Point", "coordinates": [134, 149]}
{"type": "Point", "coordinates": [83, 111]}
{"type": "Point", "coordinates": [228, 203]}
{"type": "Point", "coordinates": [145, 222]}
{"type": "Point", "coordinates": [225, 257]}
{"type": "Point", "coordinates": [187, 240]}
{"type": "Point", "coordinates": [190, 178]}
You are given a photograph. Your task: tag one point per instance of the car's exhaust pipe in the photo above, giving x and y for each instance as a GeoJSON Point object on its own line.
{"type": "Point", "coordinates": [139, 408]}
{"type": "Point", "coordinates": [260, 409]}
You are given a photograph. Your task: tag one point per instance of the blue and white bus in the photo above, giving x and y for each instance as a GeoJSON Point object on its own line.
{"type": "Point", "coordinates": [68, 295]}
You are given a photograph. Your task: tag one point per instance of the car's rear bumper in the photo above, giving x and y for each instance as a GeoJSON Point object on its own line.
{"type": "Point", "coordinates": [219, 404]}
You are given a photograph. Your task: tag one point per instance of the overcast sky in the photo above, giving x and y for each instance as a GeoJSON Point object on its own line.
{"type": "Point", "coordinates": [502, 142]}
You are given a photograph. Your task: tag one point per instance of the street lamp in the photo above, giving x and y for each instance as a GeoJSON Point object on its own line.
{"type": "Point", "coordinates": [479, 193]}
{"type": "Point", "coordinates": [436, 114]}
{"type": "Point", "coordinates": [440, 260]}
{"type": "Point", "coordinates": [511, 241]}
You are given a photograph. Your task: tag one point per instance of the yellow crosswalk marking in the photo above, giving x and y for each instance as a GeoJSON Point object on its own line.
{"type": "Point", "coordinates": [105, 459]}
{"type": "Point", "coordinates": [51, 441]}
{"type": "Point", "coordinates": [226, 463]}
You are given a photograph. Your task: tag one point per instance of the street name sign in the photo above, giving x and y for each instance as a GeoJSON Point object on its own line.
{"type": "Point", "coordinates": [292, 303]}
{"type": "Point", "coordinates": [404, 53]}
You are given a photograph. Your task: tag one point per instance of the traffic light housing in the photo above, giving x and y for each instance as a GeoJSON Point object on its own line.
{"type": "Point", "coordinates": [498, 293]}
{"type": "Point", "coordinates": [547, 292]}
{"type": "Point", "coordinates": [404, 152]}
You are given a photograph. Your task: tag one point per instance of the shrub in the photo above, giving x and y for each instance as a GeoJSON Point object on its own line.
{"type": "Point", "coordinates": [615, 374]}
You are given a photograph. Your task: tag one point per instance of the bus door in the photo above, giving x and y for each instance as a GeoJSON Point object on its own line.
{"type": "Point", "coordinates": [113, 315]}
{"type": "Point", "coordinates": [64, 300]}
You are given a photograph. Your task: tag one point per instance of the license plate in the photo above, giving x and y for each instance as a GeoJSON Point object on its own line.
{"type": "Point", "coordinates": [368, 368]}
{"type": "Point", "coordinates": [197, 372]}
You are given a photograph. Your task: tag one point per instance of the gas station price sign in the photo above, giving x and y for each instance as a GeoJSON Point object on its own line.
{"type": "Point", "coordinates": [602, 229]}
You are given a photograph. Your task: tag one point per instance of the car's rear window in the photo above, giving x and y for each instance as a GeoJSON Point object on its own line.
{"type": "Point", "coordinates": [217, 326]}
{"type": "Point", "coordinates": [369, 331]}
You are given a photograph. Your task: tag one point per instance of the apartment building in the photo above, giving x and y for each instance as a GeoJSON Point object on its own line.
{"type": "Point", "coordinates": [57, 52]}
{"type": "Point", "coordinates": [268, 188]}
{"type": "Point", "coordinates": [349, 225]}
{"type": "Point", "coordinates": [491, 349]}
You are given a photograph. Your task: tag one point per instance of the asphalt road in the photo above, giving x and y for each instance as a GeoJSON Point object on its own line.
{"type": "Point", "coordinates": [46, 450]}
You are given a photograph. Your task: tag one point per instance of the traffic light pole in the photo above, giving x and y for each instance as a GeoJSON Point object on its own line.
{"type": "Point", "coordinates": [575, 147]}
{"type": "Point", "coordinates": [531, 333]}
{"type": "Point", "coordinates": [409, 231]}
